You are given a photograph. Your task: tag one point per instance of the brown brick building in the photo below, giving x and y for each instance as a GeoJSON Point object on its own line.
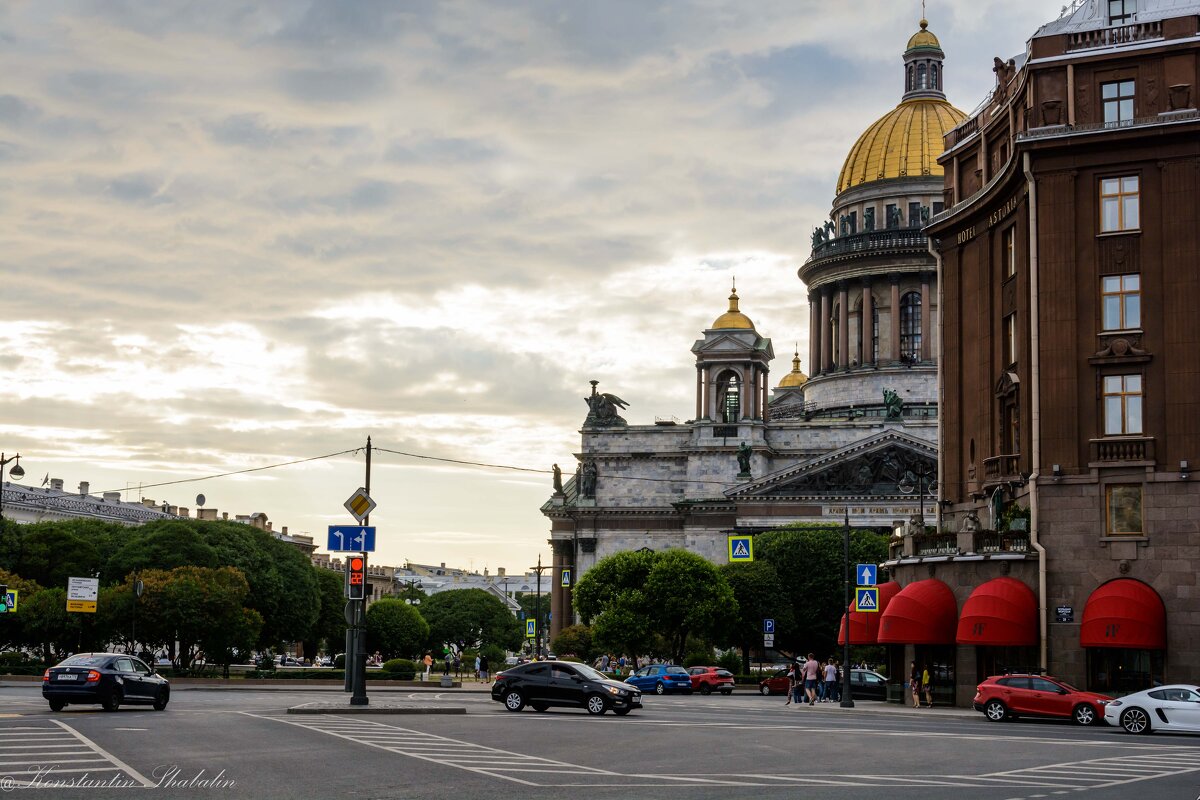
{"type": "Point", "coordinates": [1069, 276]}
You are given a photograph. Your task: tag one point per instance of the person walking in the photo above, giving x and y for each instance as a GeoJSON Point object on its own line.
{"type": "Point", "coordinates": [483, 668]}
{"type": "Point", "coordinates": [428, 662]}
{"type": "Point", "coordinates": [831, 683]}
{"type": "Point", "coordinates": [914, 684]}
{"type": "Point", "coordinates": [477, 668]}
{"type": "Point", "coordinates": [791, 686]}
{"type": "Point", "coordinates": [811, 669]}
{"type": "Point", "coordinates": [927, 686]}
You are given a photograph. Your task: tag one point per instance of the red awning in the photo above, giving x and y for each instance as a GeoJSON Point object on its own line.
{"type": "Point", "coordinates": [924, 612]}
{"type": "Point", "coordinates": [864, 625]}
{"type": "Point", "coordinates": [1124, 613]}
{"type": "Point", "coordinates": [1001, 612]}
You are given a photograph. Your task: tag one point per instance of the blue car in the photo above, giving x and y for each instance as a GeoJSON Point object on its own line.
{"type": "Point", "coordinates": [661, 678]}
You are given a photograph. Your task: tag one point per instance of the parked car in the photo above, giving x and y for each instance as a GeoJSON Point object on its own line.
{"type": "Point", "coordinates": [777, 683]}
{"type": "Point", "coordinates": [661, 679]}
{"type": "Point", "coordinates": [107, 679]}
{"type": "Point", "coordinates": [706, 680]}
{"type": "Point", "coordinates": [1004, 697]}
{"type": "Point", "coordinates": [1171, 708]}
{"type": "Point", "coordinates": [867, 684]}
{"type": "Point", "coordinates": [542, 684]}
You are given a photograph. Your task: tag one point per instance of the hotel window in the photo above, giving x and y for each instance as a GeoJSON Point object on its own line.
{"type": "Point", "coordinates": [1121, 11]}
{"type": "Point", "coordinates": [1121, 302]}
{"type": "Point", "coordinates": [1010, 252]}
{"type": "Point", "coordinates": [910, 327]}
{"type": "Point", "coordinates": [1120, 204]}
{"type": "Point", "coordinates": [1118, 102]}
{"type": "Point", "coordinates": [1010, 340]}
{"type": "Point", "coordinates": [1123, 510]}
{"type": "Point", "coordinates": [1122, 405]}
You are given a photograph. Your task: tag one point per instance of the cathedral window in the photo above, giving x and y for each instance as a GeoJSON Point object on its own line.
{"type": "Point", "coordinates": [933, 76]}
{"type": "Point", "coordinates": [921, 84]}
{"type": "Point", "coordinates": [910, 327]}
{"type": "Point", "coordinates": [731, 398]}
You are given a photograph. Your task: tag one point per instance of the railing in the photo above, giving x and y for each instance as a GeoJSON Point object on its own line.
{"type": "Point", "coordinates": [1001, 542]}
{"type": "Point", "coordinates": [1137, 448]}
{"type": "Point", "coordinates": [1139, 122]}
{"type": "Point", "coordinates": [964, 131]}
{"type": "Point", "coordinates": [1106, 37]}
{"type": "Point", "coordinates": [936, 544]}
{"type": "Point", "coordinates": [893, 239]}
{"type": "Point", "coordinates": [1001, 467]}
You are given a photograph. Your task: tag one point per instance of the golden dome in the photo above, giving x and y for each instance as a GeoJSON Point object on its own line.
{"type": "Point", "coordinates": [795, 377]}
{"type": "Point", "coordinates": [904, 143]}
{"type": "Point", "coordinates": [733, 318]}
{"type": "Point", "coordinates": [923, 38]}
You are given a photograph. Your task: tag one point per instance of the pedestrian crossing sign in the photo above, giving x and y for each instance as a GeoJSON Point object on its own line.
{"type": "Point", "coordinates": [531, 629]}
{"type": "Point", "coordinates": [566, 577]}
{"type": "Point", "coordinates": [866, 598]}
{"type": "Point", "coordinates": [741, 549]}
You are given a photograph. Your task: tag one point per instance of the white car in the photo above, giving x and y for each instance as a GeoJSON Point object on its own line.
{"type": "Point", "coordinates": [1174, 708]}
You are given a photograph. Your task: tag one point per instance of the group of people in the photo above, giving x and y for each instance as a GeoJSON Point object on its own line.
{"type": "Point", "coordinates": [814, 681]}
{"type": "Point", "coordinates": [617, 665]}
{"type": "Point", "coordinates": [920, 683]}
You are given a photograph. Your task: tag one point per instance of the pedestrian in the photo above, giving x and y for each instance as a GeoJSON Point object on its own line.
{"type": "Point", "coordinates": [811, 669]}
{"type": "Point", "coordinates": [457, 666]}
{"type": "Point", "coordinates": [604, 659]}
{"type": "Point", "coordinates": [428, 662]}
{"type": "Point", "coordinates": [476, 667]}
{"type": "Point", "coordinates": [914, 684]}
{"type": "Point", "coordinates": [831, 672]}
{"type": "Point", "coordinates": [446, 663]}
{"type": "Point", "coordinates": [791, 686]}
{"type": "Point", "coordinates": [927, 686]}
{"type": "Point", "coordinates": [483, 668]}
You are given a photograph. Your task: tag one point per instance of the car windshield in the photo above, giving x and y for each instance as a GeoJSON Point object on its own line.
{"type": "Point", "coordinates": [724, 673]}
{"type": "Point", "coordinates": [589, 673]}
{"type": "Point", "coordinates": [676, 671]}
{"type": "Point", "coordinates": [86, 660]}
{"type": "Point", "coordinates": [1067, 686]}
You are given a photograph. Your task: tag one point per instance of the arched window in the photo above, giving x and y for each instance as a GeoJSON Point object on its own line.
{"type": "Point", "coordinates": [834, 339]}
{"type": "Point", "coordinates": [874, 334]}
{"type": "Point", "coordinates": [910, 327]}
{"type": "Point", "coordinates": [730, 395]}
{"type": "Point", "coordinates": [909, 87]}
{"type": "Point", "coordinates": [921, 76]}
{"type": "Point", "coordinates": [933, 77]}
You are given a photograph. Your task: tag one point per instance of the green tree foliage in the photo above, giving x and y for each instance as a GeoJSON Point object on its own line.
{"type": "Point", "coordinates": [329, 628]}
{"type": "Point", "coordinates": [760, 596]}
{"type": "Point", "coordinates": [395, 629]}
{"type": "Point", "coordinates": [574, 640]}
{"type": "Point", "coordinates": [536, 607]}
{"type": "Point", "coordinates": [632, 597]}
{"type": "Point", "coordinates": [470, 618]}
{"type": "Point", "coordinates": [14, 628]}
{"type": "Point", "coordinates": [163, 544]}
{"type": "Point", "coordinates": [811, 567]}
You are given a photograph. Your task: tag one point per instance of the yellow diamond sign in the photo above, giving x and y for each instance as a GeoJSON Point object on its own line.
{"type": "Point", "coordinates": [360, 505]}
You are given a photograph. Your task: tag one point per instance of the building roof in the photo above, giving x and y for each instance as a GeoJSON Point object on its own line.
{"type": "Point", "coordinates": [733, 318]}
{"type": "Point", "coordinates": [924, 39]}
{"type": "Point", "coordinates": [904, 143]}
{"type": "Point", "coordinates": [1091, 15]}
{"type": "Point", "coordinates": [57, 504]}
{"type": "Point", "coordinates": [795, 377]}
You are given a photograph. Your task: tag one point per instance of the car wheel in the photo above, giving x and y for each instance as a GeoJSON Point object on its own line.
{"type": "Point", "coordinates": [705, 689]}
{"type": "Point", "coordinates": [764, 690]}
{"type": "Point", "coordinates": [112, 701]}
{"type": "Point", "coordinates": [1135, 721]}
{"type": "Point", "coordinates": [596, 704]}
{"type": "Point", "coordinates": [1084, 715]}
{"type": "Point", "coordinates": [620, 712]}
{"type": "Point", "coordinates": [164, 697]}
{"type": "Point", "coordinates": [995, 711]}
{"type": "Point", "coordinates": [660, 689]}
{"type": "Point", "coordinates": [538, 706]}
{"type": "Point", "coordinates": [58, 705]}
{"type": "Point", "coordinates": [514, 700]}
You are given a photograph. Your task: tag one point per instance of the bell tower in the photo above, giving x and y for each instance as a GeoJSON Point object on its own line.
{"type": "Point", "coordinates": [732, 367]}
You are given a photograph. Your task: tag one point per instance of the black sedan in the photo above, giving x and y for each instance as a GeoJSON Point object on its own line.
{"type": "Point", "coordinates": [109, 679]}
{"type": "Point", "coordinates": [542, 684]}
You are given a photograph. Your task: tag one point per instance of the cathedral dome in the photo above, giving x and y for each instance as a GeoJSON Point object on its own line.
{"type": "Point", "coordinates": [733, 318]}
{"type": "Point", "coordinates": [795, 377]}
{"type": "Point", "coordinates": [924, 38]}
{"type": "Point", "coordinates": [903, 143]}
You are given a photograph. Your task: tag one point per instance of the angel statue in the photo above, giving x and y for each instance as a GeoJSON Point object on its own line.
{"type": "Point", "coordinates": [602, 409]}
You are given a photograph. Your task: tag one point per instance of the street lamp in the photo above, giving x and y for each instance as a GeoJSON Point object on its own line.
{"type": "Point", "coordinates": [921, 478]}
{"type": "Point", "coordinates": [17, 472]}
{"type": "Point", "coordinates": [414, 583]}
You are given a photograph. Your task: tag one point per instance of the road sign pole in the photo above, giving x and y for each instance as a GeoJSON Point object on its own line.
{"type": "Point", "coordinates": [847, 699]}
{"type": "Point", "coordinates": [359, 695]}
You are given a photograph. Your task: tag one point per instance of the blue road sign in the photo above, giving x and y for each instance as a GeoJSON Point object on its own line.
{"type": "Point", "coordinates": [866, 598]}
{"type": "Point", "coordinates": [741, 549]}
{"type": "Point", "coordinates": [867, 574]}
{"type": "Point", "coordinates": [351, 539]}
{"type": "Point", "coordinates": [566, 577]}
{"type": "Point", "coordinates": [530, 628]}
{"type": "Point", "coordinates": [768, 626]}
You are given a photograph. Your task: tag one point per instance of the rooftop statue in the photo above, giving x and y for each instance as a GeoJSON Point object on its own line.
{"type": "Point", "coordinates": [602, 409]}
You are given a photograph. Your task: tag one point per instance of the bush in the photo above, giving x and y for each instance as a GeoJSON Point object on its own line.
{"type": "Point", "coordinates": [731, 661]}
{"type": "Point", "coordinates": [400, 669]}
{"type": "Point", "coordinates": [339, 661]}
{"type": "Point", "coordinates": [266, 663]}
{"type": "Point", "coordinates": [12, 658]}
{"type": "Point", "coordinates": [495, 656]}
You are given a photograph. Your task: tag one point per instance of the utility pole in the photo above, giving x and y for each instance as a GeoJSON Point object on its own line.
{"type": "Point", "coordinates": [537, 609]}
{"type": "Point", "coordinates": [359, 695]}
{"type": "Point", "coordinates": [847, 695]}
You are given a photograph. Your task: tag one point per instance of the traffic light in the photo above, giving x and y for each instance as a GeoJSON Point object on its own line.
{"type": "Point", "coordinates": [356, 578]}
{"type": "Point", "coordinates": [3, 598]}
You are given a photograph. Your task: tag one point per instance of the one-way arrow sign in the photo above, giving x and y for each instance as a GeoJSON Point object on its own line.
{"type": "Point", "coordinates": [867, 574]}
{"type": "Point", "coordinates": [351, 539]}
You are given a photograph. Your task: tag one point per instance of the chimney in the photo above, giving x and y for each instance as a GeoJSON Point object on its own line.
{"type": "Point", "coordinates": [285, 530]}
{"type": "Point", "coordinates": [206, 514]}
{"type": "Point", "coordinates": [269, 524]}
{"type": "Point", "coordinates": [183, 512]}
{"type": "Point", "coordinates": [112, 497]}
{"type": "Point", "coordinates": [148, 503]}
{"type": "Point", "coordinates": [443, 565]}
{"type": "Point", "coordinates": [56, 484]}
{"type": "Point", "coordinates": [224, 515]}
{"type": "Point", "coordinates": [499, 572]}
{"type": "Point", "coordinates": [485, 572]}
{"type": "Point", "coordinates": [172, 510]}
{"type": "Point", "coordinates": [83, 488]}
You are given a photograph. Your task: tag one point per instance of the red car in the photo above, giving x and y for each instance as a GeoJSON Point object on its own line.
{"type": "Point", "coordinates": [705, 680]}
{"type": "Point", "coordinates": [1004, 697]}
{"type": "Point", "coordinates": [776, 684]}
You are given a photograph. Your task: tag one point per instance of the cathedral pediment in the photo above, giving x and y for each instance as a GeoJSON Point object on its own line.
{"type": "Point", "coordinates": [875, 467]}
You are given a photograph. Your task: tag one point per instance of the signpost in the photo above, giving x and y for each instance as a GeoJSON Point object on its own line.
{"type": "Point", "coordinates": [867, 574]}
{"type": "Point", "coordinates": [12, 598]}
{"type": "Point", "coordinates": [741, 549]}
{"type": "Point", "coordinates": [768, 627]}
{"type": "Point", "coordinates": [360, 505]}
{"type": "Point", "coordinates": [531, 629]}
{"type": "Point", "coordinates": [82, 594]}
{"type": "Point", "coordinates": [351, 539]}
{"type": "Point", "coordinates": [866, 598]}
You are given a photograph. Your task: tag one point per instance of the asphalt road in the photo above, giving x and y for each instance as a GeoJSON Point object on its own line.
{"type": "Point", "coordinates": [242, 743]}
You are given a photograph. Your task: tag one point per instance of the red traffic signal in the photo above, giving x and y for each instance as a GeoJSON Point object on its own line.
{"type": "Point", "coordinates": [356, 578]}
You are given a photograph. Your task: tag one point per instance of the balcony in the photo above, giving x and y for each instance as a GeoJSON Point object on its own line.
{"type": "Point", "coordinates": [961, 133]}
{"type": "Point", "coordinates": [1001, 542]}
{"type": "Point", "coordinates": [886, 241]}
{"type": "Point", "coordinates": [1107, 37]}
{"type": "Point", "coordinates": [1121, 449]}
{"type": "Point", "coordinates": [998, 469]}
{"type": "Point", "coordinates": [936, 544]}
{"type": "Point", "coordinates": [1052, 131]}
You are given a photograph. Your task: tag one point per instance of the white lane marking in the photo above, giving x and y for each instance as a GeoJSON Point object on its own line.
{"type": "Point", "coordinates": [130, 771]}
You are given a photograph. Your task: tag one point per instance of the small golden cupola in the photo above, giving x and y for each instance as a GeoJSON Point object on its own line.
{"type": "Point", "coordinates": [794, 378]}
{"type": "Point", "coordinates": [733, 319]}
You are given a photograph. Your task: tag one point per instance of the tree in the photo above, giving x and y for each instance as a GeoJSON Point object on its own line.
{"type": "Point", "coordinates": [759, 594]}
{"type": "Point", "coordinates": [329, 628]}
{"type": "Point", "coordinates": [395, 629]}
{"type": "Point", "coordinates": [810, 563]}
{"type": "Point", "coordinates": [470, 618]}
{"type": "Point", "coordinates": [633, 596]}
{"type": "Point", "coordinates": [162, 544]}
{"type": "Point", "coordinates": [574, 640]}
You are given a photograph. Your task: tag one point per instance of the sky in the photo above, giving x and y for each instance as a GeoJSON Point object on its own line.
{"type": "Point", "coordinates": [238, 234]}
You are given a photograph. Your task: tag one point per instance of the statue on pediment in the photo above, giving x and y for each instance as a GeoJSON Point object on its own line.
{"type": "Point", "coordinates": [602, 409]}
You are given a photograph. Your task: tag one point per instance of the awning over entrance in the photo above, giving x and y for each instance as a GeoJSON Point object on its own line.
{"type": "Point", "coordinates": [1001, 612]}
{"type": "Point", "coordinates": [864, 625]}
{"type": "Point", "coordinates": [1124, 613]}
{"type": "Point", "coordinates": [924, 612]}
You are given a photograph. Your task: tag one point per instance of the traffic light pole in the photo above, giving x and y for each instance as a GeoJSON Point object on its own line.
{"type": "Point", "coordinates": [359, 686]}
{"type": "Point", "coordinates": [847, 694]}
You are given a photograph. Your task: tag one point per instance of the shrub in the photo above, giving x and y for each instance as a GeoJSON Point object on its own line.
{"type": "Point", "coordinates": [339, 662]}
{"type": "Point", "coordinates": [495, 656]}
{"type": "Point", "coordinates": [400, 669]}
{"type": "Point", "coordinates": [12, 658]}
{"type": "Point", "coordinates": [731, 661]}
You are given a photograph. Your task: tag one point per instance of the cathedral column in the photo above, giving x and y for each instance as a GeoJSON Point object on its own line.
{"type": "Point", "coordinates": [814, 334]}
{"type": "Point", "coordinates": [843, 326]}
{"type": "Point", "coordinates": [926, 317]}
{"type": "Point", "coordinates": [868, 331]}
{"type": "Point", "coordinates": [699, 392]}
{"type": "Point", "coordinates": [763, 413]}
{"type": "Point", "coordinates": [561, 615]}
{"type": "Point", "coordinates": [895, 326]}
{"type": "Point", "coordinates": [750, 395]}
{"type": "Point", "coordinates": [826, 333]}
{"type": "Point", "coordinates": [707, 393]}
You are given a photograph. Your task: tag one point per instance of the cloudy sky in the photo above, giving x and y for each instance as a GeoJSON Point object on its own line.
{"type": "Point", "coordinates": [242, 233]}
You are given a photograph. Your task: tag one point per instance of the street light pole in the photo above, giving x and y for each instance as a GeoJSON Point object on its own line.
{"type": "Point", "coordinates": [17, 472]}
{"type": "Point", "coordinates": [847, 699]}
{"type": "Point", "coordinates": [537, 610]}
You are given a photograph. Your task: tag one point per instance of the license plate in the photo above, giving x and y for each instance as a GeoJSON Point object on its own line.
{"type": "Point", "coordinates": [68, 677]}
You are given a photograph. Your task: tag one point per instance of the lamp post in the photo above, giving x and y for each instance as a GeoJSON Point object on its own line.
{"type": "Point", "coordinates": [847, 698]}
{"type": "Point", "coordinates": [413, 584]}
{"type": "Point", "coordinates": [916, 479]}
{"type": "Point", "coordinates": [537, 610]}
{"type": "Point", "coordinates": [17, 472]}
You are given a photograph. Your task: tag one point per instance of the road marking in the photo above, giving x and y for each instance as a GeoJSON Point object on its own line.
{"type": "Point", "coordinates": [43, 756]}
